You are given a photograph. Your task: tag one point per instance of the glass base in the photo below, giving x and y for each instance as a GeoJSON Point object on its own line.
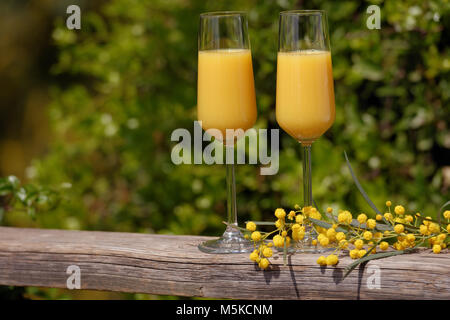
{"type": "Point", "coordinates": [232, 241]}
{"type": "Point", "coordinates": [305, 245]}
{"type": "Point", "coordinates": [300, 247]}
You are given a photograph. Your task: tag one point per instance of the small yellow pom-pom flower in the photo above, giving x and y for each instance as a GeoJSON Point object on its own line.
{"type": "Point", "coordinates": [246, 236]}
{"type": "Point", "coordinates": [299, 218]}
{"type": "Point", "coordinates": [291, 215]}
{"type": "Point", "coordinates": [409, 218]}
{"type": "Point", "coordinates": [267, 252]}
{"type": "Point", "coordinates": [297, 207]}
{"type": "Point", "coordinates": [399, 210]}
{"type": "Point", "coordinates": [410, 237]}
{"type": "Point", "coordinates": [399, 228]}
{"type": "Point", "coordinates": [278, 241]}
{"type": "Point", "coordinates": [349, 217]}
{"type": "Point", "coordinates": [367, 235]}
{"type": "Point", "coordinates": [256, 236]}
{"type": "Point", "coordinates": [448, 228]}
{"type": "Point", "coordinates": [330, 210]}
{"type": "Point", "coordinates": [314, 242]}
{"type": "Point", "coordinates": [388, 203]}
{"type": "Point", "coordinates": [296, 227]}
{"type": "Point", "coordinates": [388, 216]}
{"type": "Point", "coordinates": [288, 241]}
{"type": "Point", "coordinates": [433, 227]}
{"type": "Point", "coordinates": [442, 237]}
{"type": "Point", "coordinates": [332, 260]}
{"type": "Point", "coordinates": [423, 229]}
{"type": "Point", "coordinates": [298, 235]}
{"type": "Point", "coordinates": [436, 248]}
{"type": "Point", "coordinates": [254, 255]}
{"type": "Point", "coordinates": [359, 244]}
{"type": "Point", "coordinates": [384, 245]}
{"type": "Point", "coordinates": [378, 217]}
{"type": "Point", "coordinates": [279, 223]}
{"type": "Point", "coordinates": [361, 253]}
{"type": "Point", "coordinates": [362, 218]}
{"type": "Point", "coordinates": [324, 241]}
{"type": "Point", "coordinates": [340, 236]}
{"type": "Point", "coordinates": [343, 244]}
{"type": "Point", "coordinates": [280, 213]}
{"type": "Point", "coordinates": [354, 254]}
{"type": "Point", "coordinates": [331, 234]}
{"type": "Point", "coordinates": [251, 226]}
{"type": "Point", "coordinates": [342, 217]}
{"type": "Point", "coordinates": [377, 235]}
{"type": "Point", "coordinates": [371, 224]}
{"type": "Point", "coordinates": [270, 244]}
{"type": "Point", "coordinates": [432, 240]}
{"type": "Point", "coordinates": [447, 214]}
{"type": "Point", "coordinates": [264, 263]}
{"type": "Point", "coordinates": [315, 214]}
{"type": "Point", "coordinates": [284, 233]}
{"type": "Point", "coordinates": [322, 261]}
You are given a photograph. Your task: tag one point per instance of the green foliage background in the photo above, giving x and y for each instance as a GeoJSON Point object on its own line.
{"type": "Point", "coordinates": [130, 80]}
{"type": "Point", "coordinates": [132, 71]}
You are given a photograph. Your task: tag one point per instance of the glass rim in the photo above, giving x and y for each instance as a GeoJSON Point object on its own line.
{"type": "Point", "coordinates": [303, 12]}
{"type": "Point", "coordinates": [219, 14]}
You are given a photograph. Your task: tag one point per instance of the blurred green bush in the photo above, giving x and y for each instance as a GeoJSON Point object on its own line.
{"type": "Point", "coordinates": [132, 70]}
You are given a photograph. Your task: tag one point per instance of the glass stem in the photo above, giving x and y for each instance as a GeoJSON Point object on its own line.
{"type": "Point", "coordinates": [307, 188]}
{"type": "Point", "coordinates": [231, 194]}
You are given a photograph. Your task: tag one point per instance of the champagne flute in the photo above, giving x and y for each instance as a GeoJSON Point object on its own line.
{"type": "Point", "coordinates": [226, 101]}
{"type": "Point", "coordinates": [305, 95]}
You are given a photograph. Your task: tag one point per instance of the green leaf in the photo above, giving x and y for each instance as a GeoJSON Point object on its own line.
{"type": "Point", "coordinates": [5, 190]}
{"type": "Point", "coordinates": [14, 181]}
{"type": "Point", "coordinates": [31, 212]}
{"type": "Point", "coordinates": [360, 188]}
{"type": "Point", "coordinates": [21, 195]}
{"type": "Point", "coordinates": [375, 256]}
{"type": "Point", "coordinates": [326, 225]}
{"type": "Point", "coordinates": [440, 211]}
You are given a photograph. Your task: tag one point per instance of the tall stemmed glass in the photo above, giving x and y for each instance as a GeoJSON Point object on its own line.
{"type": "Point", "coordinates": [305, 95]}
{"type": "Point", "coordinates": [226, 101]}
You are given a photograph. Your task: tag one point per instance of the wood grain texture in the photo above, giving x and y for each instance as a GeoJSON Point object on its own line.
{"type": "Point", "coordinates": [172, 265]}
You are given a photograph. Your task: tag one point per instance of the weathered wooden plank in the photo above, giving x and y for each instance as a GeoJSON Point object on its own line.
{"type": "Point", "coordinates": [172, 265]}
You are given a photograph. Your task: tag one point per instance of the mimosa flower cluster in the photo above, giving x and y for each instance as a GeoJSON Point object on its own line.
{"type": "Point", "coordinates": [342, 234]}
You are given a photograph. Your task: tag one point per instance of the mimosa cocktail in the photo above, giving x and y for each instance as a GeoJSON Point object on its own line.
{"type": "Point", "coordinates": [226, 91]}
{"type": "Point", "coordinates": [305, 95]}
{"type": "Point", "coordinates": [226, 100]}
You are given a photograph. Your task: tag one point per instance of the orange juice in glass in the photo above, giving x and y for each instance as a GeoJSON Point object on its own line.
{"type": "Point", "coordinates": [226, 92]}
{"type": "Point", "coordinates": [226, 100]}
{"type": "Point", "coordinates": [305, 94]}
